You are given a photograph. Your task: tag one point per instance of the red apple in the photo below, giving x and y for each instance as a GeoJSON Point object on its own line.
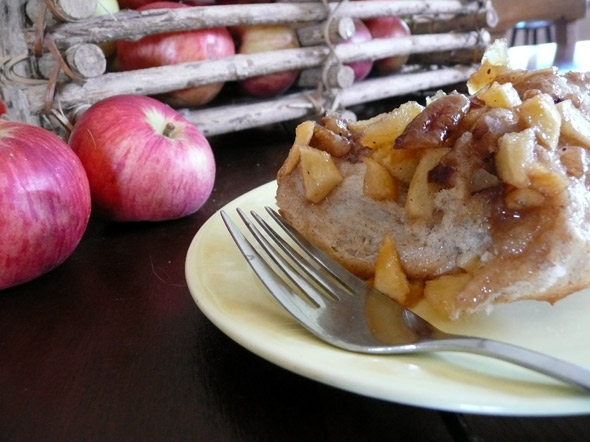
{"type": "Point", "coordinates": [133, 4]}
{"type": "Point", "coordinates": [361, 34]}
{"type": "Point", "coordinates": [243, 2]}
{"type": "Point", "coordinates": [200, 2]}
{"type": "Point", "coordinates": [144, 161]}
{"type": "Point", "coordinates": [388, 27]}
{"type": "Point", "coordinates": [44, 202]}
{"type": "Point", "coordinates": [263, 38]}
{"type": "Point", "coordinates": [178, 47]}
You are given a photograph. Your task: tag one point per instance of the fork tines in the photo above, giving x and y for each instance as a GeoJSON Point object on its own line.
{"type": "Point", "coordinates": [307, 273]}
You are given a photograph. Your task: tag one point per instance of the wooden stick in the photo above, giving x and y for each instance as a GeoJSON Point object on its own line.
{"type": "Point", "coordinates": [132, 25]}
{"type": "Point", "coordinates": [338, 31]}
{"type": "Point", "coordinates": [222, 119]}
{"type": "Point", "coordinates": [72, 10]}
{"type": "Point", "coordinates": [449, 58]}
{"type": "Point", "coordinates": [85, 60]}
{"type": "Point", "coordinates": [34, 8]}
{"type": "Point", "coordinates": [485, 18]}
{"type": "Point", "coordinates": [169, 78]}
{"type": "Point", "coordinates": [416, 44]}
{"type": "Point", "coordinates": [336, 76]}
{"type": "Point", "coordinates": [12, 25]}
{"type": "Point", "coordinates": [401, 84]}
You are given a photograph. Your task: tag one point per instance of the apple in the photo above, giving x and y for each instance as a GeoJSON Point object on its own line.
{"type": "Point", "coordinates": [178, 47]}
{"type": "Point", "coordinates": [133, 4]}
{"type": "Point", "coordinates": [106, 7]}
{"type": "Point", "coordinates": [243, 2]}
{"type": "Point", "coordinates": [144, 161]}
{"type": "Point", "coordinates": [263, 38]}
{"type": "Point", "coordinates": [361, 34]}
{"type": "Point", "coordinates": [388, 27]}
{"type": "Point", "coordinates": [200, 2]}
{"type": "Point", "coordinates": [44, 202]}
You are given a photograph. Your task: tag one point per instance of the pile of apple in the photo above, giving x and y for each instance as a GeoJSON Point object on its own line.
{"type": "Point", "coordinates": [214, 43]}
{"type": "Point", "coordinates": [129, 158]}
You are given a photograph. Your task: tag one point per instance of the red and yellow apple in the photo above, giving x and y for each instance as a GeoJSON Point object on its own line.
{"type": "Point", "coordinates": [242, 2]}
{"type": "Point", "coordinates": [144, 161]}
{"type": "Point", "coordinates": [133, 4]}
{"type": "Point", "coordinates": [44, 202]}
{"type": "Point", "coordinates": [178, 47]}
{"type": "Point", "coordinates": [263, 38]}
{"type": "Point", "coordinates": [388, 27]}
{"type": "Point", "coordinates": [361, 34]}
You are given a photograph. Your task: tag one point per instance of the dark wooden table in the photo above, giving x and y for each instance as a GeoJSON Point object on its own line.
{"type": "Point", "coordinates": [111, 347]}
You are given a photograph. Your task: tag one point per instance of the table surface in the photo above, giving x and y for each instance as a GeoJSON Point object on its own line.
{"type": "Point", "coordinates": [110, 346]}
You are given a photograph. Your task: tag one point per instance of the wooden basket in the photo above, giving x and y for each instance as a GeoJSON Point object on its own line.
{"type": "Point", "coordinates": [50, 38]}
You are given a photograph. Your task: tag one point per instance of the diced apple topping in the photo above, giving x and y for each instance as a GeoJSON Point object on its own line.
{"type": "Point", "coordinates": [499, 95]}
{"type": "Point", "coordinates": [320, 174]}
{"type": "Point", "coordinates": [390, 277]}
{"type": "Point", "coordinates": [358, 126]}
{"type": "Point", "coordinates": [545, 180]}
{"type": "Point", "coordinates": [439, 94]}
{"type": "Point", "coordinates": [481, 180]}
{"type": "Point", "coordinates": [469, 263]}
{"type": "Point", "coordinates": [416, 292]}
{"type": "Point", "coordinates": [384, 131]}
{"type": "Point", "coordinates": [291, 161]}
{"type": "Point", "coordinates": [400, 163]}
{"type": "Point", "coordinates": [493, 63]}
{"type": "Point", "coordinates": [575, 127]}
{"type": "Point", "coordinates": [419, 200]}
{"type": "Point", "coordinates": [378, 183]}
{"type": "Point", "coordinates": [515, 157]}
{"type": "Point", "coordinates": [541, 114]}
{"type": "Point", "coordinates": [524, 147]}
{"type": "Point", "coordinates": [442, 292]}
{"type": "Point", "coordinates": [497, 53]}
{"type": "Point", "coordinates": [303, 134]}
{"type": "Point", "coordinates": [527, 198]}
{"type": "Point", "coordinates": [485, 75]}
{"type": "Point", "coordinates": [574, 159]}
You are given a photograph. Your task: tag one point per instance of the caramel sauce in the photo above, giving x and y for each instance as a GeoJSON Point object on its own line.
{"type": "Point", "coordinates": [522, 241]}
{"type": "Point", "coordinates": [391, 324]}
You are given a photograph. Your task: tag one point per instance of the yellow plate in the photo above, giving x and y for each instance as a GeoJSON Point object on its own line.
{"type": "Point", "coordinates": [229, 294]}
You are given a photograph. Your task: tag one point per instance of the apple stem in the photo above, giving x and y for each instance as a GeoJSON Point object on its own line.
{"type": "Point", "coordinates": [168, 129]}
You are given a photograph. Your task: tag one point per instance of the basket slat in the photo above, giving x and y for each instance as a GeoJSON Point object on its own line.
{"type": "Point", "coordinates": [158, 80]}
{"type": "Point", "coordinates": [444, 32]}
{"type": "Point", "coordinates": [132, 25]}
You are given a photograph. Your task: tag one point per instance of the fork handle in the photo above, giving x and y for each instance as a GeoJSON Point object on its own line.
{"type": "Point", "coordinates": [533, 360]}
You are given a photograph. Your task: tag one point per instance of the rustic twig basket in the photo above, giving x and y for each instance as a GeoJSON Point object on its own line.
{"type": "Point", "coordinates": [44, 39]}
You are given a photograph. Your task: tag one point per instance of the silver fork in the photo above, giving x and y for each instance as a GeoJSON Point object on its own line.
{"type": "Point", "coordinates": [337, 307]}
